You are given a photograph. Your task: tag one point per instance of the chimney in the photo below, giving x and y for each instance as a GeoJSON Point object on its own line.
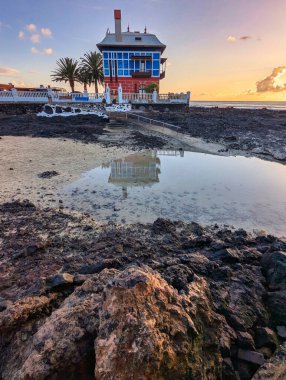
{"type": "Point", "coordinates": [117, 20]}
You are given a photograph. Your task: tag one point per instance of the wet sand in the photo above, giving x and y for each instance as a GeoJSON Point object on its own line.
{"type": "Point", "coordinates": [24, 158]}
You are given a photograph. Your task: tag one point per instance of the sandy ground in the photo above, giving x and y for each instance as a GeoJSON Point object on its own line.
{"type": "Point", "coordinates": [23, 158]}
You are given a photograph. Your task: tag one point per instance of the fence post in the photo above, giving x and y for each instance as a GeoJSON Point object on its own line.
{"type": "Point", "coordinates": [120, 97]}
{"type": "Point", "coordinates": [14, 94]}
{"type": "Point", "coordinates": [107, 94]}
{"type": "Point", "coordinates": [154, 96]}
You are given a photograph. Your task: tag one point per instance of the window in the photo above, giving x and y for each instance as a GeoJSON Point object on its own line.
{"type": "Point", "coordinates": [156, 55]}
{"type": "Point", "coordinates": [156, 65]}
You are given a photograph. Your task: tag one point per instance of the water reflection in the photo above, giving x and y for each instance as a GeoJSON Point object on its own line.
{"type": "Point", "coordinates": [138, 170]}
{"type": "Point", "coordinates": [188, 186]}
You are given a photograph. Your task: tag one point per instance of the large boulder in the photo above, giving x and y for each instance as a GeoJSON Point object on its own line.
{"type": "Point", "coordinates": [120, 325]}
{"type": "Point", "coordinates": [146, 333]}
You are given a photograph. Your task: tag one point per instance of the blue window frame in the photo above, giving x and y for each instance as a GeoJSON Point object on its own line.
{"type": "Point", "coordinates": [126, 64]}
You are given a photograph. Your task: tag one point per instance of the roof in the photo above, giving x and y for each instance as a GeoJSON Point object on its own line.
{"type": "Point", "coordinates": [130, 39]}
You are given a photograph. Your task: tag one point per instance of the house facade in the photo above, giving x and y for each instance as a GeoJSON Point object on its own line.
{"type": "Point", "coordinates": [131, 59]}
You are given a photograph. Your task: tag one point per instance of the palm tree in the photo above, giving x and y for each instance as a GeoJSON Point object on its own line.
{"type": "Point", "coordinates": [84, 77]}
{"type": "Point", "coordinates": [92, 62]}
{"type": "Point", "coordinates": [66, 71]}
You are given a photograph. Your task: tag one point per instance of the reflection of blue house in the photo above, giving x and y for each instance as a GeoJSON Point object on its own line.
{"type": "Point", "coordinates": [132, 59]}
{"type": "Point", "coordinates": [135, 170]}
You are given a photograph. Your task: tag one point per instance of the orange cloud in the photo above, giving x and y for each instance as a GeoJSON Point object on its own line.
{"type": "Point", "coordinates": [271, 83]}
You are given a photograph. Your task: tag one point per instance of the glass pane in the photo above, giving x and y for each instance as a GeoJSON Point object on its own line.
{"type": "Point", "coordinates": [156, 55]}
{"type": "Point", "coordinates": [137, 65]}
{"type": "Point", "coordinates": [105, 55]}
{"type": "Point", "coordinates": [156, 65]}
{"type": "Point", "coordinates": [119, 55]}
{"type": "Point", "coordinates": [125, 55]}
{"type": "Point", "coordinates": [120, 72]}
{"type": "Point", "coordinates": [155, 73]}
{"type": "Point", "coordinates": [126, 72]}
{"type": "Point", "coordinates": [119, 64]}
{"type": "Point", "coordinates": [125, 64]}
{"type": "Point", "coordinates": [148, 65]}
{"type": "Point", "coordinates": [106, 72]}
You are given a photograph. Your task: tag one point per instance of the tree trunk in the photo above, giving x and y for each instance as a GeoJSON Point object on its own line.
{"type": "Point", "coordinates": [72, 85]}
{"type": "Point", "coordinates": [85, 87]}
{"type": "Point", "coordinates": [96, 86]}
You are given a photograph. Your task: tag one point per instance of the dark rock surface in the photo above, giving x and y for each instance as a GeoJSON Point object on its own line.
{"type": "Point", "coordinates": [262, 133]}
{"type": "Point", "coordinates": [85, 128]}
{"type": "Point", "coordinates": [141, 301]}
{"type": "Point", "coordinates": [48, 174]}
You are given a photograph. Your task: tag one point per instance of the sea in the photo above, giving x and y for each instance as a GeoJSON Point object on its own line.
{"type": "Point", "coordinates": [275, 106]}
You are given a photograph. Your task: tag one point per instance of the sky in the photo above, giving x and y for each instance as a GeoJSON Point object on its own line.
{"type": "Point", "coordinates": [217, 49]}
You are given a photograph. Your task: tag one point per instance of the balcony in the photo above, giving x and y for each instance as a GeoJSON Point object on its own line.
{"type": "Point", "coordinates": [141, 74]}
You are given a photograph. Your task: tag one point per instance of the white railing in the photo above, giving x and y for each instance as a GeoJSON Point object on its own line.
{"type": "Point", "coordinates": [148, 120]}
{"type": "Point", "coordinates": [137, 97]}
{"type": "Point", "coordinates": [66, 97]}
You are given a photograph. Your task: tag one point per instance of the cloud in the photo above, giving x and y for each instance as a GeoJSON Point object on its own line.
{"type": "Point", "coordinates": [31, 28]}
{"type": "Point", "coordinates": [9, 71]}
{"type": "Point", "coordinates": [271, 83]}
{"type": "Point", "coordinates": [46, 32]}
{"type": "Point", "coordinates": [232, 38]}
{"type": "Point", "coordinates": [34, 50]}
{"type": "Point", "coordinates": [35, 38]}
{"type": "Point", "coordinates": [48, 51]}
{"type": "Point", "coordinates": [21, 35]}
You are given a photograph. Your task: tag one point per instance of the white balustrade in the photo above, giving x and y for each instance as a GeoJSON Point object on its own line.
{"type": "Point", "coordinates": [65, 97]}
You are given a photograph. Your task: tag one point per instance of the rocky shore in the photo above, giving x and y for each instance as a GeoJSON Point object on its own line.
{"type": "Point", "coordinates": [166, 300]}
{"type": "Point", "coordinates": [260, 133]}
